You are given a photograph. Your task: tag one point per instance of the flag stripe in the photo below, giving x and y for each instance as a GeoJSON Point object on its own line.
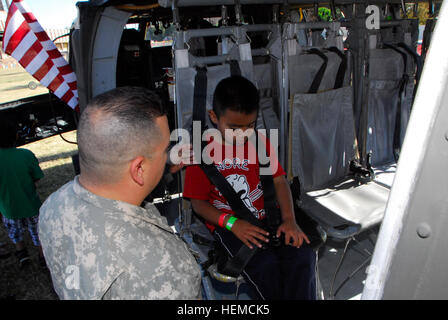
{"type": "Point", "coordinates": [49, 76]}
{"type": "Point", "coordinates": [74, 103]}
{"type": "Point", "coordinates": [42, 36]}
{"type": "Point", "coordinates": [17, 37]}
{"type": "Point", "coordinates": [24, 46]}
{"type": "Point", "coordinates": [36, 27]}
{"type": "Point", "coordinates": [55, 84]}
{"type": "Point", "coordinates": [60, 62]}
{"type": "Point", "coordinates": [43, 70]}
{"type": "Point", "coordinates": [62, 87]}
{"type": "Point", "coordinates": [71, 77]}
{"type": "Point", "coordinates": [30, 54]}
{"type": "Point", "coordinates": [13, 20]}
{"type": "Point", "coordinates": [73, 86]}
{"type": "Point", "coordinates": [65, 70]}
{"type": "Point", "coordinates": [37, 62]}
{"type": "Point", "coordinates": [67, 96]}
{"type": "Point", "coordinates": [48, 45]}
{"type": "Point", "coordinates": [54, 53]}
{"type": "Point", "coordinates": [29, 17]}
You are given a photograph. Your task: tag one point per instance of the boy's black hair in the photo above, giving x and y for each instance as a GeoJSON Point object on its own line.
{"type": "Point", "coordinates": [8, 132]}
{"type": "Point", "coordinates": [237, 94]}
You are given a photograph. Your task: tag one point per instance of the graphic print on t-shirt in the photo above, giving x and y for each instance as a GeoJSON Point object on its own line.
{"type": "Point", "coordinates": [242, 188]}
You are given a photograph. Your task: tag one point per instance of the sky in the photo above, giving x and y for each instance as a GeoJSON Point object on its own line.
{"type": "Point", "coordinates": [54, 14]}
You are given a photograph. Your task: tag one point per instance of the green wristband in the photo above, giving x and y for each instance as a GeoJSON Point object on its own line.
{"type": "Point", "coordinates": [230, 223]}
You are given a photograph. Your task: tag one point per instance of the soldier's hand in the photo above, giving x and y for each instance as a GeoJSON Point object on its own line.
{"type": "Point", "coordinates": [249, 234]}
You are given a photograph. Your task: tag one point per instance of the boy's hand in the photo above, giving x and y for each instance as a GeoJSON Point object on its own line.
{"type": "Point", "coordinates": [180, 156]}
{"type": "Point", "coordinates": [249, 234]}
{"type": "Point", "coordinates": [292, 231]}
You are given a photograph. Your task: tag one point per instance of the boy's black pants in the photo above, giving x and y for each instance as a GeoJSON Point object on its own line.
{"type": "Point", "coordinates": [277, 273]}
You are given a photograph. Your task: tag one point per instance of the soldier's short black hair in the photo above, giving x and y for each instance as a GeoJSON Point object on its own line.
{"type": "Point", "coordinates": [237, 94]}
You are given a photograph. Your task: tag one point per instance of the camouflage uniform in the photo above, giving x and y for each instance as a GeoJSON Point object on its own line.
{"type": "Point", "coordinates": [97, 248]}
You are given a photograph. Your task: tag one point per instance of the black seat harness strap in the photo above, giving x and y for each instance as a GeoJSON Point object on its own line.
{"type": "Point", "coordinates": [227, 191]}
{"type": "Point", "coordinates": [234, 68]}
{"type": "Point", "coordinates": [320, 73]}
{"type": "Point", "coordinates": [340, 76]}
{"type": "Point", "coordinates": [403, 82]}
{"type": "Point", "coordinates": [234, 266]}
{"type": "Point", "coordinates": [273, 214]}
{"type": "Point", "coordinates": [418, 63]}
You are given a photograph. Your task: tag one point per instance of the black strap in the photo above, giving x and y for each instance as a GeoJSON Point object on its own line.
{"type": "Point", "coordinates": [200, 96]}
{"type": "Point", "coordinates": [234, 68]}
{"type": "Point", "coordinates": [227, 191]}
{"type": "Point", "coordinates": [427, 35]}
{"type": "Point", "coordinates": [273, 215]}
{"type": "Point", "coordinates": [320, 73]}
{"type": "Point", "coordinates": [234, 266]}
{"type": "Point", "coordinates": [403, 82]}
{"type": "Point", "coordinates": [340, 76]}
{"type": "Point", "coordinates": [403, 55]}
{"type": "Point", "coordinates": [418, 63]}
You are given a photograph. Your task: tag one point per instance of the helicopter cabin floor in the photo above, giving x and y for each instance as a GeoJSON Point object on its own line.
{"type": "Point", "coordinates": [329, 257]}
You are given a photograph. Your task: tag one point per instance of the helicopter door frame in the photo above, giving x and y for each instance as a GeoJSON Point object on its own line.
{"type": "Point", "coordinates": [409, 261]}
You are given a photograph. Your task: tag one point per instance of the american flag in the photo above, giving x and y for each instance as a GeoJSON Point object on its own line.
{"type": "Point", "coordinates": [26, 41]}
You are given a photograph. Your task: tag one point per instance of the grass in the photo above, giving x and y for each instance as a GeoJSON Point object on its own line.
{"type": "Point", "coordinates": [14, 85]}
{"type": "Point", "coordinates": [34, 282]}
{"type": "Point", "coordinates": [55, 160]}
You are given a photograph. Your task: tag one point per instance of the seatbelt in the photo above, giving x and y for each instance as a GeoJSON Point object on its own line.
{"type": "Point", "coordinates": [427, 35]}
{"type": "Point", "coordinates": [418, 63]}
{"type": "Point", "coordinates": [273, 214]}
{"type": "Point", "coordinates": [340, 76]}
{"type": "Point", "coordinates": [403, 82]}
{"type": "Point", "coordinates": [227, 191]}
{"type": "Point", "coordinates": [235, 265]}
{"type": "Point", "coordinates": [234, 68]}
{"type": "Point", "coordinates": [320, 73]}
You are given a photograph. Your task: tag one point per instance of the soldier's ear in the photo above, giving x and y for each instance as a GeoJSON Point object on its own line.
{"type": "Point", "coordinates": [136, 170]}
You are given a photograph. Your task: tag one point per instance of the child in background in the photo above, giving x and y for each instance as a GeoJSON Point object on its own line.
{"type": "Point", "coordinates": [19, 202]}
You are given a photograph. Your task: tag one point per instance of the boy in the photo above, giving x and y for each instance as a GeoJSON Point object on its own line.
{"type": "Point", "coordinates": [19, 202]}
{"type": "Point", "coordinates": [285, 272]}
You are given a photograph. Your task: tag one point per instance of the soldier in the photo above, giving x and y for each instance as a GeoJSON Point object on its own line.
{"type": "Point", "coordinates": [98, 241]}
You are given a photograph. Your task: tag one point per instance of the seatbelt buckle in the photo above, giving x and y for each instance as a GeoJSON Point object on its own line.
{"type": "Point", "coordinates": [364, 174]}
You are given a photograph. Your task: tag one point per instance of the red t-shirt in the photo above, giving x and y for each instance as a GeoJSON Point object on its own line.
{"type": "Point", "coordinates": [240, 166]}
